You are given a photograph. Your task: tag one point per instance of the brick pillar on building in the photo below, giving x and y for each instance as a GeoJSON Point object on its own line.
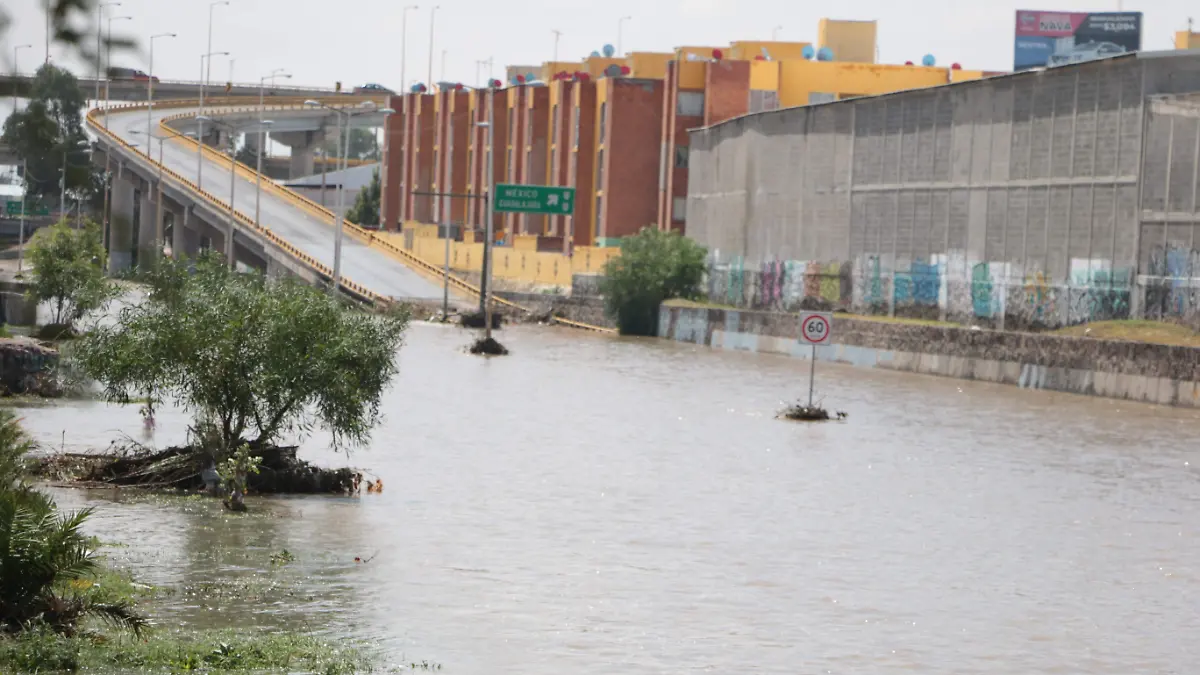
{"type": "Point", "coordinates": [559, 156]}
{"type": "Point", "coordinates": [500, 138]}
{"type": "Point", "coordinates": [582, 169]}
{"type": "Point", "coordinates": [632, 153]}
{"type": "Point", "coordinates": [535, 146]}
{"type": "Point", "coordinates": [391, 171]}
{"type": "Point", "coordinates": [676, 135]}
{"type": "Point", "coordinates": [459, 118]}
{"type": "Point", "coordinates": [421, 172]}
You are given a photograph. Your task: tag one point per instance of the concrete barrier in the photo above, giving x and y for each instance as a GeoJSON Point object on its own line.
{"type": "Point", "coordinates": [1136, 371]}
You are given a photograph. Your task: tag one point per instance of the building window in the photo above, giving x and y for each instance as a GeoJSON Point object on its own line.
{"type": "Point", "coordinates": [575, 141]}
{"type": "Point", "coordinates": [600, 170]}
{"type": "Point", "coordinates": [599, 217]}
{"type": "Point", "coordinates": [690, 104]}
{"type": "Point", "coordinates": [681, 156]}
{"type": "Point", "coordinates": [603, 119]}
{"type": "Point", "coordinates": [678, 209]}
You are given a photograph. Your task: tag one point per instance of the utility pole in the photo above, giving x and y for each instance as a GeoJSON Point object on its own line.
{"type": "Point", "coordinates": [485, 285]}
{"type": "Point", "coordinates": [557, 35]}
{"type": "Point", "coordinates": [432, 17]}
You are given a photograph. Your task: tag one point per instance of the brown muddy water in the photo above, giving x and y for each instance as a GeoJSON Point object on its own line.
{"type": "Point", "coordinates": [598, 505]}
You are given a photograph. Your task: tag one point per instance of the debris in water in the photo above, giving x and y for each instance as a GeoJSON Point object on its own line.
{"type": "Point", "coordinates": [804, 413]}
{"type": "Point", "coordinates": [488, 347]}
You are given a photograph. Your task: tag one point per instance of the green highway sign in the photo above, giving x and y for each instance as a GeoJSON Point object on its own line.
{"type": "Point", "coordinates": [13, 209]}
{"type": "Point", "coordinates": [535, 199]}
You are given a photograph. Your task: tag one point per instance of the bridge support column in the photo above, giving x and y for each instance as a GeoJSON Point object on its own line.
{"type": "Point", "coordinates": [121, 223]}
{"type": "Point", "coordinates": [146, 228]}
{"type": "Point", "coordinates": [303, 145]}
{"type": "Point", "coordinates": [185, 237]}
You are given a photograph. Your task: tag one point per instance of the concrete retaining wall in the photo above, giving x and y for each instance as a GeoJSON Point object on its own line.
{"type": "Point", "coordinates": [589, 310]}
{"type": "Point", "coordinates": [1040, 199]}
{"type": "Point", "coordinates": [1126, 370]}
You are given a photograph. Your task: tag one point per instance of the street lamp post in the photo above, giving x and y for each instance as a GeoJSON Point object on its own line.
{"type": "Point", "coordinates": [62, 197]}
{"type": "Point", "coordinates": [621, 33]}
{"type": "Point", "coordinates": [557, 36]}
{"type": "Point", "coordinates": [21, 236]}
{"type": "Point", "coordinates": [17, 70]}
{"type": "Point", "coordinates": [343, 146]}
{"type": "Point", "coordinates": [485, 279]}
{"type": "Point", "coordinates": [100, 64]}
{"type": "Point", "coordinates": [278, 72]}
{"type": "Point", "coordinates": [232, 184]}
{"type": "Point", "coordinates": [108, 63]}
{"type": "Point", "coordinates": [150, 80]}
{"type": "Point", "coordinates": [404, 44]}
{"type": "Point", "coordinates": [432, 16]}
{"type": "Point", "coordinates": [201, 117]}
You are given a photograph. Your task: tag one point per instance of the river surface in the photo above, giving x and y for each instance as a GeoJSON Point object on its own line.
{"type": "Point", "coordinates": [598, 505]}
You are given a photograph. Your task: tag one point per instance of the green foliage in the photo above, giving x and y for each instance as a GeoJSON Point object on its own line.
{"type": "Point", "coordinates": [15, 446]}
{"type": "Point", "coordinates": [364, 144]}
{"type": "Point", "coordinates": [367, 204]}
{"type": "Point", "coordinates": [229, 651]}
{"type": "Point", "coordinates": [67, 270]}
{"type": "Point", "coordinates": [252, 359]}
{"type": "Point", "coordinates": [654, 266]}
{"type": "Point", "coordinates": [48, 131]}
{"type": "Point", "coordinates": [46, 564]}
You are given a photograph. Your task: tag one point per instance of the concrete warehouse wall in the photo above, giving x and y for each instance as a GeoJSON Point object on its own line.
{"type": "Point", "coordinates": [1007, 202]}
{"type": "Point", "coordinates": [1126, 370]}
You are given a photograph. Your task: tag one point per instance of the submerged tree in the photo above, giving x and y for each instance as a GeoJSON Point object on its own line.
{"type": "Point", "coordinates": [654, 266]}
{"type": "Point", "coordinates": [68, 272]}
{"type": "Point", "coordinates": [252, 359]}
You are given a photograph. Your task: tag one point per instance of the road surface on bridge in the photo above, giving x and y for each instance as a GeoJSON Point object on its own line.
{"type": "Point", "coordinates": [309, 233]}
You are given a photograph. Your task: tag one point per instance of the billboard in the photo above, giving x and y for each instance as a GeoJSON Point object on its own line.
{"type": "Point", "coordinates": [1058, 38]}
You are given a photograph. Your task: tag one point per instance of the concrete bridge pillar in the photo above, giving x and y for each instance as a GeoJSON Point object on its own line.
{"type": "Point", "coordinates": [147, 228]}
{"type": "Point", "coordinates": [185, 236]}
{"type": "Point", "coordinates": [303, 145]}
{"type": "Point", "coordinates": [121, 222]}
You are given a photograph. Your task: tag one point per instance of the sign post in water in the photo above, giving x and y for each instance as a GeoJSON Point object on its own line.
{"type": "Point", "coordinates": [816, 328]}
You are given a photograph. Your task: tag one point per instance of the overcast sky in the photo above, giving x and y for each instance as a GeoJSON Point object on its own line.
{"type": "Point", "coordinates": [355, 41]}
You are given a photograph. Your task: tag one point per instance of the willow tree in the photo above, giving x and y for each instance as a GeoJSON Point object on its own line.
{"type": "Point", "coordinates": [252, 359]}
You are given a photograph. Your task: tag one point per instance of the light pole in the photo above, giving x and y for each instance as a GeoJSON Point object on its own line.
{"type": "Point", "coordinates": [100, 44]}
{"type": "Point", "coordinates": [232, 183]}
{"type": "Point", "coordinates": [67, 148]}
{"type": "Point", "coordinates": [17, 70]}
{"type": "Point", "coordinates": [108, 64]}
{"type": "Point", "coordinates": [21, 236]}
{"type": "Point", "coordinates": [404, 44]}
{"type": "Point", "coordinates": [485, 278]}
{"type": "Point", "coordinates": [262, 82]}
{"type": "Point", "coordinates": [432, 16]}
{"type": "Point", "coordinates": [201, 117]}
{"type": "Point", "coordinates": [150, 80]}
{"type": "Point", "coordinates": [557, 35]}
{"type": "Point", "coordinates": [343, 145]}
{"type": "Point", "coordinates": [621, 33]}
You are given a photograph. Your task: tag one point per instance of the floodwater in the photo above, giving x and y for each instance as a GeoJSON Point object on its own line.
{"type": "Point", "coordinates": [597, 505]}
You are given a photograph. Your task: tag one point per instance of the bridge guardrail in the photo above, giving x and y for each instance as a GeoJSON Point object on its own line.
{"type": "Point", "coordinates": [363, 235]}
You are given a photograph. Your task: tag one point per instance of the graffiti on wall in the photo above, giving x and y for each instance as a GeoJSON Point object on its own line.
{"type": "Point", "coordinates": [951, 285]}
{"type": "Point", "coordinates": [1172, 290]}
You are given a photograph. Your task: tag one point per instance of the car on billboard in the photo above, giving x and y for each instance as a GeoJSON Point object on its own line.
{"type": "Point", "coordinates": [1087, 51]}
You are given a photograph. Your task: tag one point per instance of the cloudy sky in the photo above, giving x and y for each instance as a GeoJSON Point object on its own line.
{"type": "Point", "coordinates": [323, 41]}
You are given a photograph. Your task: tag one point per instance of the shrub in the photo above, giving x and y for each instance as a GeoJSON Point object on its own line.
{"type": "Point", "coordinates": [654, 266]}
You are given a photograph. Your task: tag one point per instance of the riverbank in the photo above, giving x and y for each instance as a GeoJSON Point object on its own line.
{"type": "Point", "coordinates": [1122, 369]}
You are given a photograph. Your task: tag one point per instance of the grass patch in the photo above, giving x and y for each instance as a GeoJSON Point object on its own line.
{"type": "Point", "coordinates": [1154, 332]}
{"type": "Point", "coordinates": [228, 651]}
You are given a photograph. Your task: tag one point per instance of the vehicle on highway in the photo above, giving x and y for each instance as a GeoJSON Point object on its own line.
{"type": "Point", "coordinates": [372, 88]}
{"type": "Point", "coordinates": [1086, 51]}
{"type": "Point", "coordinates": [119, 73]}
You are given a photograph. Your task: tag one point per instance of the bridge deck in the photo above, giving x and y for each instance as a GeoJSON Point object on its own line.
{"type": "Point", "coordinates": [309, 233]}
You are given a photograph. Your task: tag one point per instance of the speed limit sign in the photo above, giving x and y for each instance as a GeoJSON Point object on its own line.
{"type": "Point", "coordinates": [816, 328]}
